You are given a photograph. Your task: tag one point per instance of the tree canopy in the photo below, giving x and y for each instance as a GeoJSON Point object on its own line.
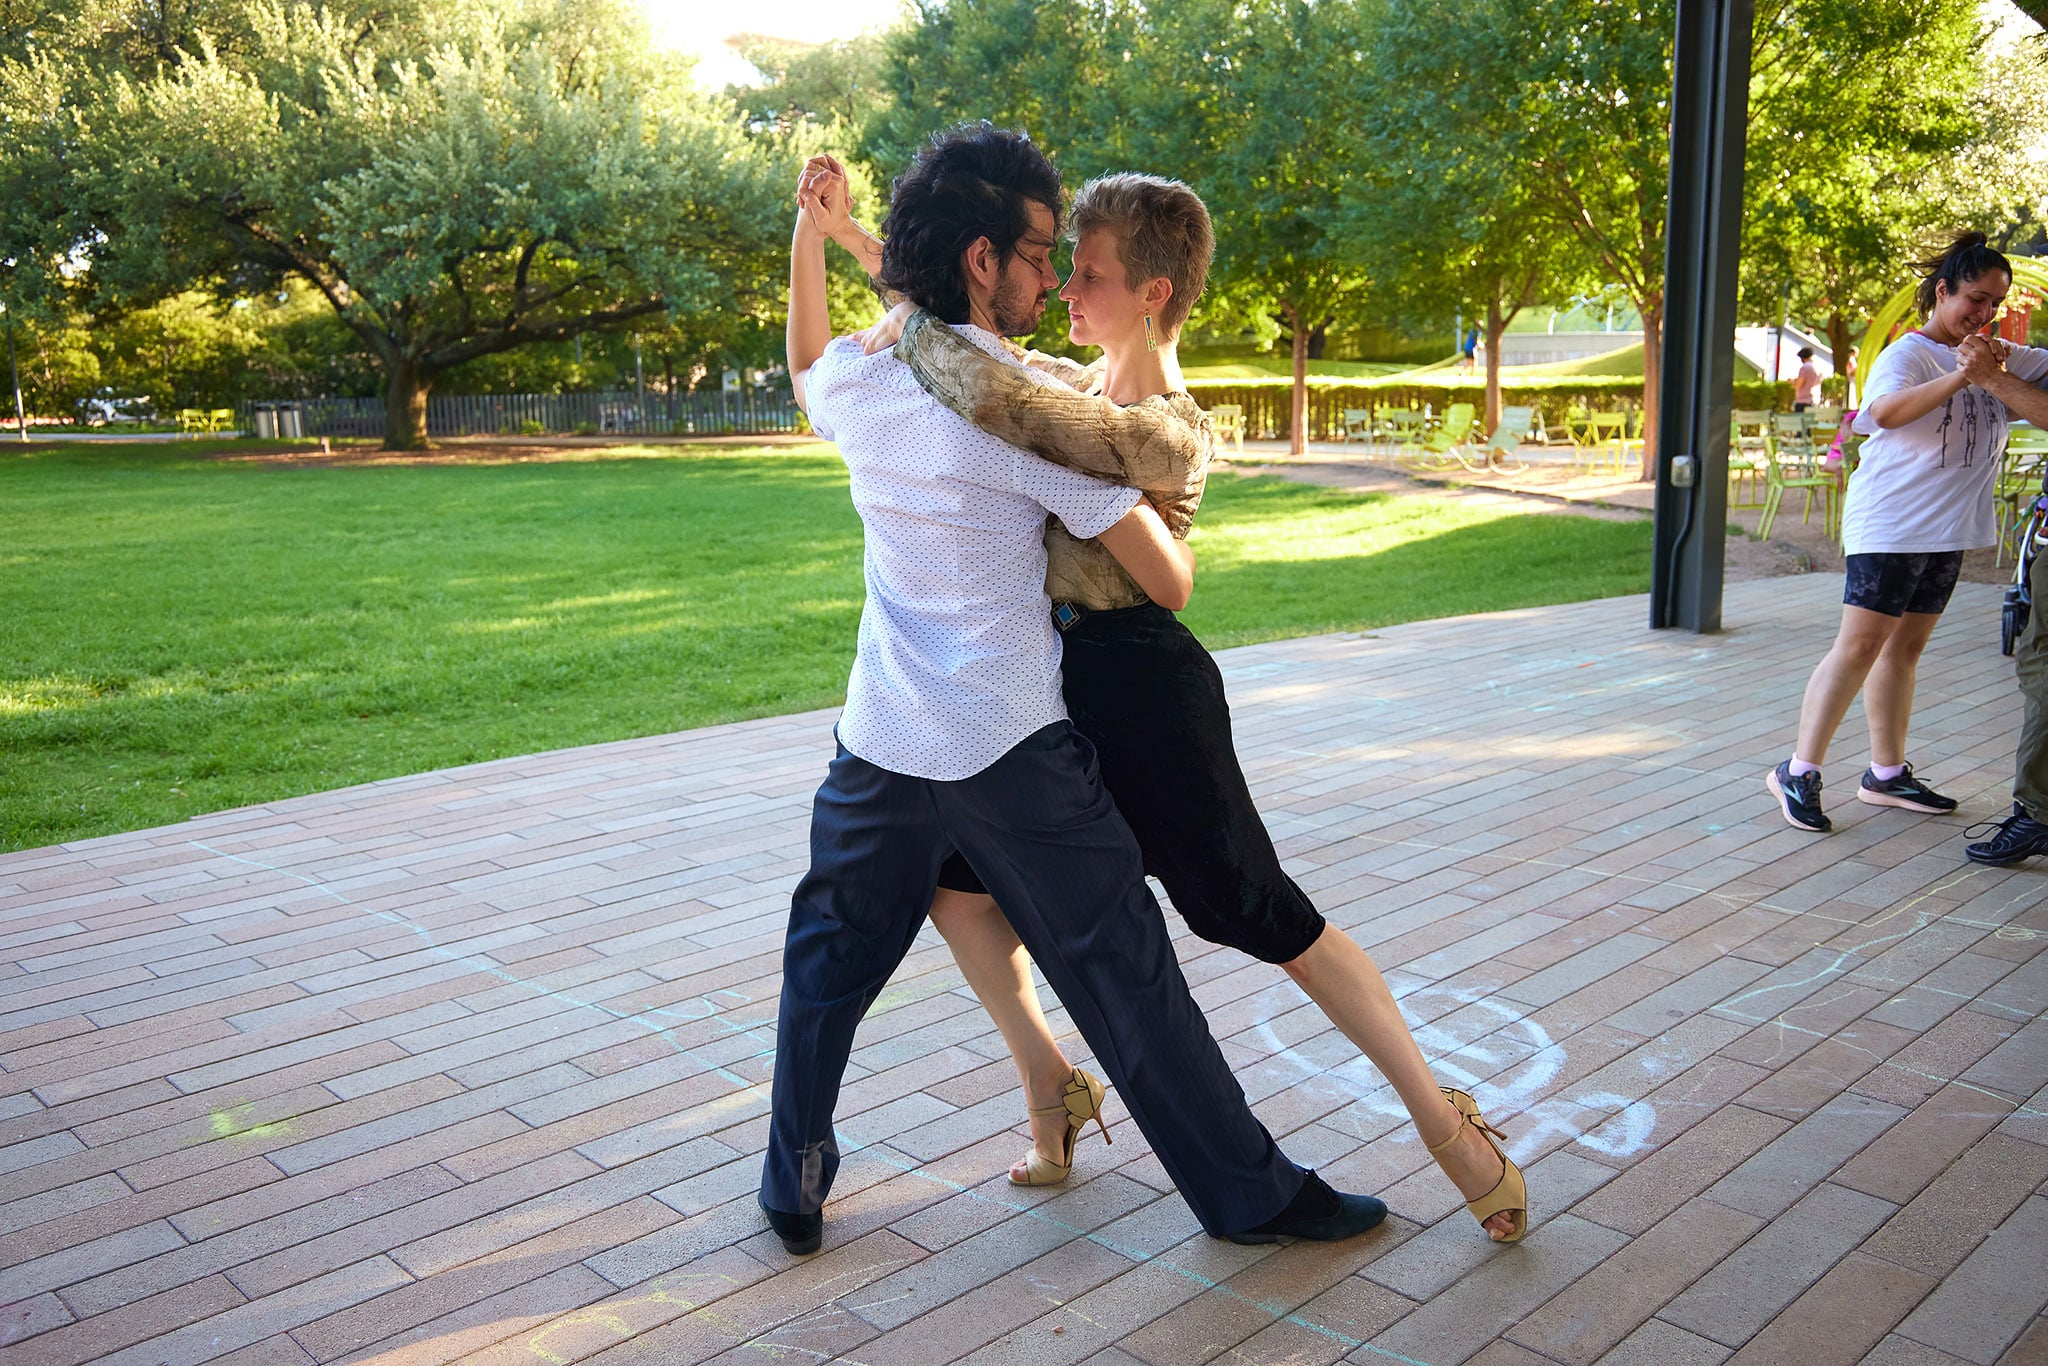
{"type": "Point", "coordinates": [470, 189]}
{"type": "Point", "coordinates": [455, 182]}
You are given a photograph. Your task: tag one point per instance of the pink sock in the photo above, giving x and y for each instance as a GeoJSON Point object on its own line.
{"type": "Point", "coordinates": [1884, 773]}
{"type": "Point", "coordinates": [1800, 768]}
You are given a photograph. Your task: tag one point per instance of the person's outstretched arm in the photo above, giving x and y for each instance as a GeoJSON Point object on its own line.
{"type": "Point", "coordinates": [1144, 446]}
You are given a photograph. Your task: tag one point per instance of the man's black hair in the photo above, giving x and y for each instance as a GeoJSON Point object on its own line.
{"type": "Point", "coordinates": [972, 181]}
{"type": "Point", "coordinates": [1806, 353]}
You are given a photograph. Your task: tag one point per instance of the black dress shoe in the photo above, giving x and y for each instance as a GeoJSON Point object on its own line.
{"type": "Point", "coordinates": [1319, 1214]}
{"type": "Point", "coordinates": [800, 1233]}
{"type": "Point", "coordinates": [2019, 836]}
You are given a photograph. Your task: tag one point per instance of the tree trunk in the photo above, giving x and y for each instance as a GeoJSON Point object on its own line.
{"type": "Point", "coordinates": [1298, 427]}
{"type": "Point", "coordinates": [1495, 326]}
{"type": "Point", "coordinates": [1653, 379]}
{"type": "Point", "coordinates": [405, 406]}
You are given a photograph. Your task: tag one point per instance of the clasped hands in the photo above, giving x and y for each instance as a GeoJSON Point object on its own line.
{"type": "Point", "coordinates": [1981, 359]}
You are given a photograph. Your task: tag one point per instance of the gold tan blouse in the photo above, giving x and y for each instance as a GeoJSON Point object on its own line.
{"type": "Point", "coordinates": [1161, 445]}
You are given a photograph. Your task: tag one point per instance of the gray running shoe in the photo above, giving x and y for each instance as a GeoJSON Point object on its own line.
{"type": "Point", "coordinates": [1904, 791]}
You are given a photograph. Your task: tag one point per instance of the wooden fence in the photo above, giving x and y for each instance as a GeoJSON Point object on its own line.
{"type": "Point", "coordinates": [740, 412]}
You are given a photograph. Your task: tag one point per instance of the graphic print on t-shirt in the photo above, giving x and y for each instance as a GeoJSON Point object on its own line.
{"type": "Point", "coordinates": [1990, 418]}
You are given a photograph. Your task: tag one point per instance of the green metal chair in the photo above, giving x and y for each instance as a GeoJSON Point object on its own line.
{"type": "Point", "coordinates": [2019, 480]}
{"type": "Point", "coordinates": [1226, 420]}
{"type": "Point", "coordinates": [1502, 448]}
{"type": "Point", "coordinates": [1608, 432]}
{"type": "Point", "coordinates": [1793, 462]}
{"type": "Point", "coordinates": [1444, 446]}
{"type": "Point", "coordinates": [1401, 429]}
{"type": "Point", "coordinates": [1749, 432]}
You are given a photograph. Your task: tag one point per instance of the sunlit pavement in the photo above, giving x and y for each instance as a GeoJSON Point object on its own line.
{"type": "Point", "coordinates": [471, 1064]}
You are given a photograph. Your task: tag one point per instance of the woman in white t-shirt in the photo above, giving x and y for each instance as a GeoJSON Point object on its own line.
{"type": "Point", "coordinates": [1920, 497]}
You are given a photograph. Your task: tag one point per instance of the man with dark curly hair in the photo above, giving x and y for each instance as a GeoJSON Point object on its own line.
{"type": "Point", "coordinates": [955, 737]}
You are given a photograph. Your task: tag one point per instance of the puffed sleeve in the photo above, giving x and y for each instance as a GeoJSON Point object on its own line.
{"type": "Point", "coordinates": [1146, 446]}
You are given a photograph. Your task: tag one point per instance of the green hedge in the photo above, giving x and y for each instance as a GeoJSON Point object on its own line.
{"type": "Point", "coordinates": [1268, 403]}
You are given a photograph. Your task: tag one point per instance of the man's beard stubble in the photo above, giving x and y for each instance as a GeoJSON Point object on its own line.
{"type": "Point", "coordinates": [1014, 310]}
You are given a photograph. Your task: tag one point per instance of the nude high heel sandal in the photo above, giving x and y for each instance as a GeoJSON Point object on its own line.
{"type": "Point", "coordinates": [1510, 1193]}
{"type": "Point", "coordinates": [1082, 1103]}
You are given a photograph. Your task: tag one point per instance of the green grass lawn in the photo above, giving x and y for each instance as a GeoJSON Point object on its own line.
{"type": "Point", "coordinates": [183, 634]}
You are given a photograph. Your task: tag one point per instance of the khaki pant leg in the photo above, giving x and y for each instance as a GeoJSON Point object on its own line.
{"type": "Point", "coordinates": [2030, 660]}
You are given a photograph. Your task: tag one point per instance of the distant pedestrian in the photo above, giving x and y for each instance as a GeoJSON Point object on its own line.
{"type": "Point", "coordinates": [1920, 497]}
{"type": "Point", "coordinates": [1468, 350]}
{"type": "Point", "coordinates": [1806, 384]}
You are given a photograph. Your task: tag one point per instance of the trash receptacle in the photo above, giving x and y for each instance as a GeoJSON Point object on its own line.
{"type": "Point", "coordinates": [277, 420]}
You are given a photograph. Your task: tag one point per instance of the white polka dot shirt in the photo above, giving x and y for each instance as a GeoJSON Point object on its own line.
{"type": "Point", "coordinates": [958, 659]}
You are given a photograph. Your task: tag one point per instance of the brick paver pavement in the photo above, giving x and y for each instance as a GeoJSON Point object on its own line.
{"type": "Point", "coordinates": [469, 1065]}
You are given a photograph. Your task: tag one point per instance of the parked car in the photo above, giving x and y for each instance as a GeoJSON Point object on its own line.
{"type": "Point", "coordinates": [105, 407]}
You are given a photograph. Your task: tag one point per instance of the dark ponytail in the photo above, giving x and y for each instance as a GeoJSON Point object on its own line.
{"type": "Point", "coordinates": [1966, 258]}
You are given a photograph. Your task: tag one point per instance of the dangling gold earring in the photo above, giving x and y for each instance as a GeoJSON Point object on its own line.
{"type": "Point", "coordinates": [1151, 340]}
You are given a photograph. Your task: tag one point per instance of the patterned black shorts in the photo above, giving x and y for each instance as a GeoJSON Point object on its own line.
{"type": "Point", "coordinates": [1897, 584]}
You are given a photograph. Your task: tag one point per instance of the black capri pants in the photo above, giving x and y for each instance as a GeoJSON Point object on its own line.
{"type": "Point", "coordinates": [1150, 698]}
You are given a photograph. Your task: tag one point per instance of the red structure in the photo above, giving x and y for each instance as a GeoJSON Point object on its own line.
{"type": "Point", "coordinates": [2019, 311]}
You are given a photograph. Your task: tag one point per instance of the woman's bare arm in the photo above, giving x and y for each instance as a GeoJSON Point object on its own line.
{"type": "Point", "coordinates": [1902, 406]}
{"type": "Point", "coordinates": [834, 213]}
{"type": "Point", "coordinates": [1161, 565]}
{"type": "Point", "coordinates": [810, 319]}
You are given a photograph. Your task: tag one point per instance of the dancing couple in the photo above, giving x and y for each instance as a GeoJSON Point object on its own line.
{"type": "Point", "coordinates": [1028, 728]}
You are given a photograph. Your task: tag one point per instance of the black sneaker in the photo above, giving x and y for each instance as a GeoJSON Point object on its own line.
{"type": "Point", "coordinates": [1904, 791]}
{"type": "Point", "coordinates": [1319, 1214]}
{"type": "Point", "coordinates": [2019, 836]}
{"type": "Point", "coordinates": [1799, 798]}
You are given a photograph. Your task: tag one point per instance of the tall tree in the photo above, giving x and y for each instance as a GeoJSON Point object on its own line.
{"type": "Point", "coordinates": [455, 182]}
{"type": "Point", "coordinates": [1250, 103]}
{"type": "Point", "coordinates": [1053, 68]}
{"type": "Point", "coordinates": [1856, 108]}
{"type": "Point", "coordinates": [1589, 116]}
{"type": "Point", "coordinates": [1437, 152]}
{"type": "Point", "coordinates": [1253, 102]}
